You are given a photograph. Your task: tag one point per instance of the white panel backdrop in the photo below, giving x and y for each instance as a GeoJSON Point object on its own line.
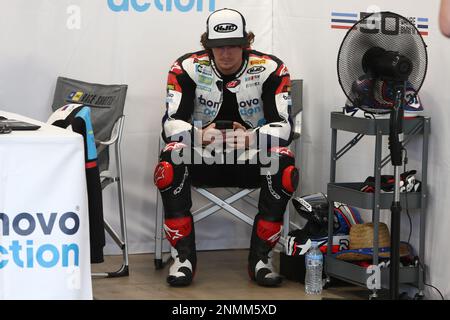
{"type": "Point", "coordinates": [137, 48]}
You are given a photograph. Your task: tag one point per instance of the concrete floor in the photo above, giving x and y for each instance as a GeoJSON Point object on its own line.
{"type": "Point", "coordinates": [221, 275]}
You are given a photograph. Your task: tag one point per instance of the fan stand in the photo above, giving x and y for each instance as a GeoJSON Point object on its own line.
{"type": "Point", "coordinates": [395, 146]}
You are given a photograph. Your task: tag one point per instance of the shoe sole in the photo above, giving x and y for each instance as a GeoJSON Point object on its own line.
{"type": "Point", "coordinates": [178, 281]}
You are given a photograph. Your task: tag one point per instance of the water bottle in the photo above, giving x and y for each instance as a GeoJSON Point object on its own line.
{"type": "Point", "coordinates": [314, 265]}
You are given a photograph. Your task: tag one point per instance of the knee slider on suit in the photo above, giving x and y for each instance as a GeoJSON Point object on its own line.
{"type": "Point", "coordinates": [277, 188]}
{"type": "Point", "coordinates": [167, 172]}
{"type": "Point", "coordinates": [164, 175]}
{"type": "Point", "coordinates": [287, 173]}
{"type": "Point", "coordinates": [286, 178]}
{"type": "Point", "coordinates": [173, 180]}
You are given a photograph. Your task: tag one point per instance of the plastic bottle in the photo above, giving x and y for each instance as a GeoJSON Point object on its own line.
{"type": "Point", "coordinates": [314, 265]}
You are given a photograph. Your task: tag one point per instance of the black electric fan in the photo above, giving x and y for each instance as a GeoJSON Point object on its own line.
{"type": "Point", "coordinates": [381, 57]}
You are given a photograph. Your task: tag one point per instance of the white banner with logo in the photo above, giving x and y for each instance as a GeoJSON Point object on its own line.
{"type": "Point", "coordinates": [44, 224]}
{"type": "Point", "coordinates": [136, 41]}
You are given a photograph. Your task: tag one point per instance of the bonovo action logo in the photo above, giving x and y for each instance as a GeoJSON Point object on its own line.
{"type": "Point", "coordinates": [18, 247]}
{"type": "Point", "coordinates": [162, 5]}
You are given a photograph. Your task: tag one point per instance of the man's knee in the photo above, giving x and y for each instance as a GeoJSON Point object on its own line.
{"type": "Point", "coordinates": [286, 177]}
{"type": "Point", "coordinates": [172, 180]}
{"type": "Point", "coordinates": [278, 186]}
{"type": "Point", "coordinates": [168, 171]}
{"type": "Point", "coordinates": [163, 176]}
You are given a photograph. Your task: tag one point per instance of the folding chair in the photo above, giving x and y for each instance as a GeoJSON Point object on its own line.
{"type": "Point", "coordinates": [217, 203]}
{"type": "Point", "coordinates": [107, 105]}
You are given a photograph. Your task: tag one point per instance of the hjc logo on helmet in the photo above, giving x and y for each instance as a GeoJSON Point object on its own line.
{"type": "Point", "coordinates": [225, 27]}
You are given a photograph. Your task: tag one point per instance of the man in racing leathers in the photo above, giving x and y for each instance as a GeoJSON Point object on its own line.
{"type": "Point", "coordinates": [250, 92]}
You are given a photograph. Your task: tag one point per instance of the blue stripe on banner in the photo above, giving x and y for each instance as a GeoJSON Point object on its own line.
{"type": "Point", "coordinates": [341, 14]}
{"type": "Point", "coordinates": [344, 21]}
{"type": "Point", "coordinates": [422, 19]}
{"type": "Point", "coordinates": [85, 114]}
{"type": "Point", "coordinates": [422, 26]}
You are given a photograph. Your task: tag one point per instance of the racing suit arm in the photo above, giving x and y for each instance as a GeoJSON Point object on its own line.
{"type": "Point", "coordinates": [276, 99]}
{"type": "Point", "coordinates": [176, 123]}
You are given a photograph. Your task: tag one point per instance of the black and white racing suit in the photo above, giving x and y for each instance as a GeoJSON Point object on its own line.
{"type": "Point", "coordinates": [258, 97]}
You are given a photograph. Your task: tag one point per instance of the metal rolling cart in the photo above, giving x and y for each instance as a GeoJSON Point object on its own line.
{"type": "Point", "coordinates": [350, 194]}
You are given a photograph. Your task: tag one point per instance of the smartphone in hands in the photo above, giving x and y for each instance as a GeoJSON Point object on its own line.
{"type": "Point", "coordinates": [224, 124]}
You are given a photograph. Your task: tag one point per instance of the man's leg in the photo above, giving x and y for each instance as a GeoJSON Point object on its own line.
{"type": "Point", "coordinates": [173, 181]}
{"type": "Point", "coordinates": [276, 190]}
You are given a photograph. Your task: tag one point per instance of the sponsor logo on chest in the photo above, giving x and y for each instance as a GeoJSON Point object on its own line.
{"type": "Point", "coordinates": [252, 78]}
{"type": "Point", "coordinates": [207, 103]}
{"type": "Point", "coordinates": [252, 84]}
{"type": "Point", "coordinates": [233, 86]}
{"type": "Point", "coordinates": [257, 61]}
{"type": "Point", "coordinates": [249, 103]}
{"type": "Point", "coordinates": [204, 70]}
{"type": "Point", "coordinates": [205, 80]}
{"type": "Point", "coordinates": [256, 70]}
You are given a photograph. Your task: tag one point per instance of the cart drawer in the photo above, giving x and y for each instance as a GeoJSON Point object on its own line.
{"type": "Point", "coordinates": [353, 273]}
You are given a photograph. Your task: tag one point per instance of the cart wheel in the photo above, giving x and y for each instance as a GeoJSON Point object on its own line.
{"type": "Point", "coordinates": [404, 296]}
{"type": "Point", "coordinates": [158, 264]}
{"type": "Point", "coordinates": [326, 283]}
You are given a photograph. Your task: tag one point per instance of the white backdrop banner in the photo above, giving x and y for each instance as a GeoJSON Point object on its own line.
{"type": "Point", "coordinates": [118, 41]}
{"type": "Point", "coordinates": [136, 41]}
